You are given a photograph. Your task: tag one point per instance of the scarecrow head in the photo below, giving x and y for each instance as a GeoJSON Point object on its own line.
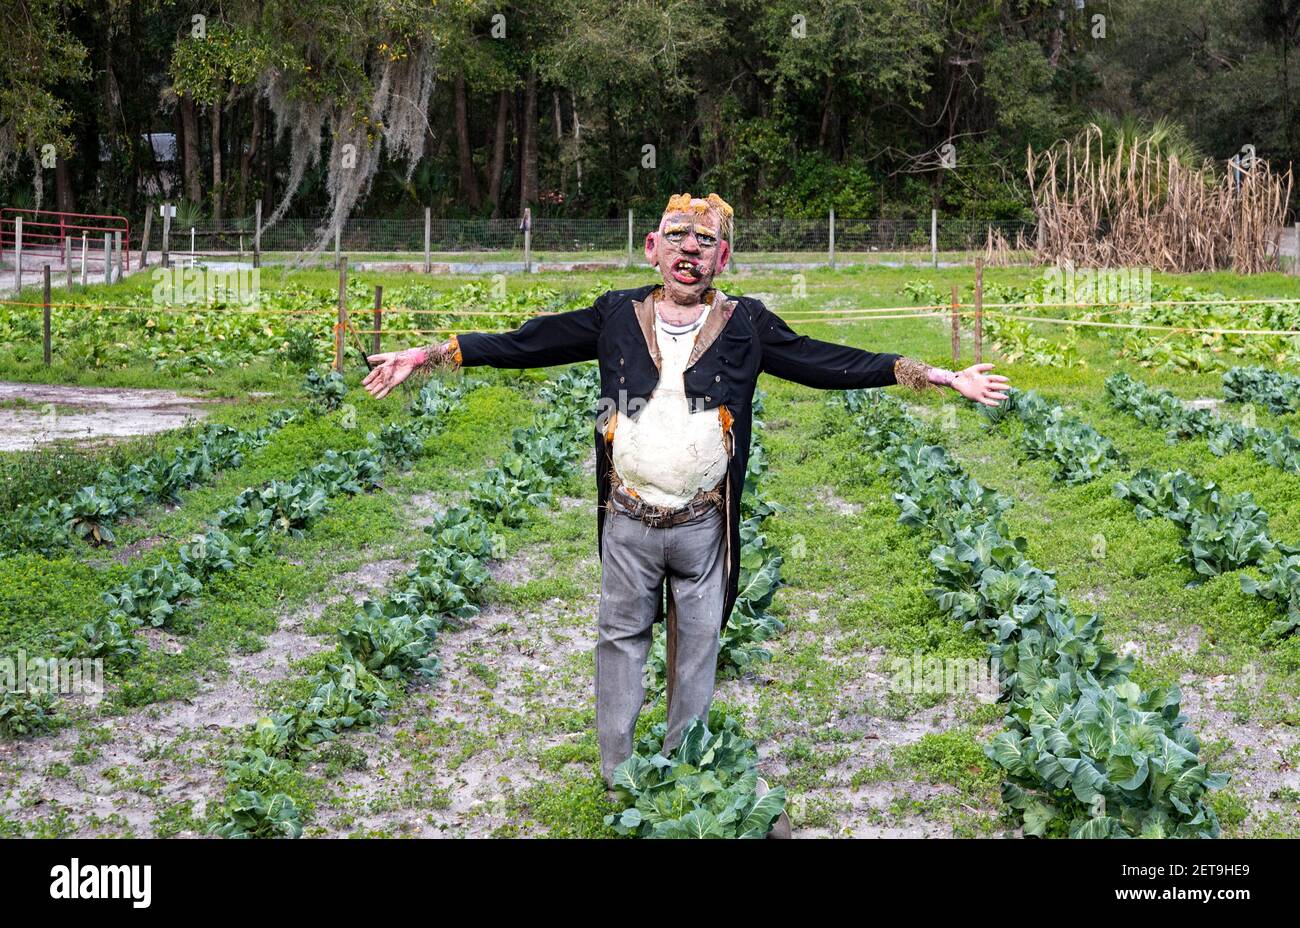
{"type": "Point", "coordinates": [691, 245]}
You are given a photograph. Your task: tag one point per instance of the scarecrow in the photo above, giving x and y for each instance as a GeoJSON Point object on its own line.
{"type": "Point", "coordinates": [679, 361]}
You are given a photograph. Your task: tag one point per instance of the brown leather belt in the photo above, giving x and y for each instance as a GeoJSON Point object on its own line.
{"type": "Point", "coordinates": [664, 516]}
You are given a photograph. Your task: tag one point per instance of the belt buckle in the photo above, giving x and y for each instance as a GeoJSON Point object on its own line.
{"type": "Point", "coordinates": [657, 518]}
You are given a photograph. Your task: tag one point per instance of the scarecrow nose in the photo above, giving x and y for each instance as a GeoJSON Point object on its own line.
{"type": "Point", "coordinates": [690, 243]}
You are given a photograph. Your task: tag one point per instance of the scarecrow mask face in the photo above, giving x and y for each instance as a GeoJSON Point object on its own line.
{"type": "Point", "coordinates": [690, 247]}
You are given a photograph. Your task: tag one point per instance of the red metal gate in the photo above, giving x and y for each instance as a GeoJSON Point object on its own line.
{"type": "Point", "coordinates": [44, 232]}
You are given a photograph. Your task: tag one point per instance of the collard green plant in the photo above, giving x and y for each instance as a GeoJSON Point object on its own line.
{"type": "Point", "coordinates": [1281, 587]}
{"type": "Point", "coordinates": [1277, 391]}
{"type": "Point", "coordinates": [29, 711]}
{"type": "Point", "coordinates": [327, 390]}
{"type": "Point", "coordinates": [1085, 751]}
{"type": "Point", "coordinates": [706, 788]}
{"type": "Point", "coordinates": [108, 637]}
{"type": "Point", "coordinates": [1080, 452]}
{"type": "Point", "coordinates": [1162, 409]}
{"type": "Point", "coordinates": [251, 815]}
{"type": "Point", "coordinates": [152, 594]}
{"type": "Point", "coordinates": [1219, 534]}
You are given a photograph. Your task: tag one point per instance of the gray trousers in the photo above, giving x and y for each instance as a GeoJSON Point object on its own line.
{"type": "Point", "coordinates": [634, 561]}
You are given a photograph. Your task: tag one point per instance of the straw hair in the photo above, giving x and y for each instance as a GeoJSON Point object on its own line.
{"type": "Point", "coordinates": [686, 203]}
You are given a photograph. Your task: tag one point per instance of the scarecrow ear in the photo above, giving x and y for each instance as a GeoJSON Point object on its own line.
{"type": "Point", "coordinates": [651, 240]}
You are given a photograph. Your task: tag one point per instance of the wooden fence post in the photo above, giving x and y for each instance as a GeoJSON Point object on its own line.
{"type": "Point", "coordinates": [1295, 265]}
{"type": "Point", "coordinates": [379, 317]}
{"type": "Point", "coordinates": [629, 238]}
{"type": "Point", "coordinates": [934, 237]}
{"type": "Point", "coordinates": [167, 236]}
{"type": "Point", "coordinates": [979, 310]}
{"type": "Point", "coordinates": [108, 258]}
{"type": "Point", "coordinates": [47, 316]}
{"type": "Point", "coordinates": [428, 225]}
{"type": "Point", "coordinates": [343, 314]}
{"type": "Point", "coordinates": [18, 254]}
{"type": "Point", "coordinates": [528, 240]}
{"type": "Point", "coordinates": [257, 233]}
{"type": "Point", "coordinates": [144, 240]}
{"type": "Point", "coordinates": [83, 259]}
{"type": "Point", "coordinates": [67, 259]}
{"type": "Point", "coordinates": [120, 246]}
{"type": "Point", "coordinates": [956, 331]}
{"type": "Point", "coordinates": [832, 239]}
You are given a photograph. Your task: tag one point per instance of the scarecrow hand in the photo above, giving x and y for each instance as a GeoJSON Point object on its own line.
{"type": "Point", "coordinates": [975, 383]}
{"type": "Point", "coordinates": [392, 368]}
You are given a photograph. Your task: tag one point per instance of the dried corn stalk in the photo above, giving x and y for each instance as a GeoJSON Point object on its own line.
{"type": "Point", "coordinates": [1135, 206]}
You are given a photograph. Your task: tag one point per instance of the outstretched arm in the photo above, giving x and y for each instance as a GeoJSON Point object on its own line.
{"type": "Point", "coordinates": [558, 338]}
{"type": "Point", "coordinates": [828, 366]}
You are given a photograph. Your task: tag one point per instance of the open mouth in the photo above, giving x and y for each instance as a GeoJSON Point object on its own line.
{"type": "Point", "coordinates": [686, 271]}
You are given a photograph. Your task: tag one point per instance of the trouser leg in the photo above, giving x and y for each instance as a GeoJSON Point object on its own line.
{"type": "Point", "coordinates": [697, 572]}
{"type": "Point", "coordinates": [632, 569]}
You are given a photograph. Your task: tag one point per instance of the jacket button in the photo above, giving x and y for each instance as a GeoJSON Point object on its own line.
{"type": "Point", "coordinates": [620, 362]}
{"type": "Point", "coordinates": [717, 377]}
{"type": "Point", "coordinates": [620, 380]}
{"type": "Point", "coordinates": [708, 399]}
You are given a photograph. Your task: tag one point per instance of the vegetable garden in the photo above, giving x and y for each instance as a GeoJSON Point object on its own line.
{"type": "Point", "coordinates": [323, 615]}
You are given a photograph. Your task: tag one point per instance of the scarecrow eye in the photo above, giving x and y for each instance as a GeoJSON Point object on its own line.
{"type": "Point", "coordinates": [675, 236]}
{"type": "Point", "coordinates": [705, 239]}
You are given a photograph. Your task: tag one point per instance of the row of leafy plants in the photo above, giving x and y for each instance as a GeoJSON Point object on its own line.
{"type": "Point", "coordinates": [1048, 432]}
{"type": "Point", "coordinates": [89, 513]}
{"type": "Point", "coordinates": [1086, 752]}
{"type": "Point", "coordinates": [206, 327]}
{"type": "Point", "coordinates": [387, 645]}
{"type": "Point", "coordinates": [154, 595]}
{"type": "Point", "coordinates": [1278, 391]}
{"type": "Point", "coordinates": [1221, 533]}
{"type": "Point", "coordinates": [1125, 298]}
{"type": "Point", "coordinates": [1162, 409]}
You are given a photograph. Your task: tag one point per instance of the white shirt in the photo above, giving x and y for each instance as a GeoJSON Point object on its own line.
{"type": "Point", "coordinates": [667, 453]}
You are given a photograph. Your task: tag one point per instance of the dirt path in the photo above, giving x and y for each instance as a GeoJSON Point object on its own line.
{"type": "Point", "coordinates": [157, 771]}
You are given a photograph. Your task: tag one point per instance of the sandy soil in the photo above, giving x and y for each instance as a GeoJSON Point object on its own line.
{"type": "Point", "coordinates": [34, 414]}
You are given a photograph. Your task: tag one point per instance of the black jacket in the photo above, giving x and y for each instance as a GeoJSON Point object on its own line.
{"type": "Point", "coordinates": [740, 340]}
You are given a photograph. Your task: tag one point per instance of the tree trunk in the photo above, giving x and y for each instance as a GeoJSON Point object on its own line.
{"type": "Point", "coordinates": [214, 114]}
{"type": "Point", "coordinates": [266, 154]}
{"type": "Point", "coordinates": [577, 141]}
{"type": "Point", "coordinates": [528, 145]}
{"type": "Point", "coordinates": [63, 186]}
{"type": "Point", "coordinates": [825, 129]}
{"type": "Point", "coordinates": [249, 153]}
{"type": "Point", "coordinates": [190, 148]}
{"type": "Point", "coordinates": [498, 154]}
{"type": "Point", "coordinates": [468, 182]}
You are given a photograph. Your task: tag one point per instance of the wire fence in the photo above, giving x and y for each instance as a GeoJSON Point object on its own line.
{"type": "Point", "coordinates": [618, 239]}
{"type": "Point", "coordinates": [775, 235]}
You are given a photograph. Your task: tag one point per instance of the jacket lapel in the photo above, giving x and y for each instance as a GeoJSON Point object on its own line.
{"type": "Point", "coordinates": [719, 316]}
{"type": "Point", "coordinates": [645, 317]}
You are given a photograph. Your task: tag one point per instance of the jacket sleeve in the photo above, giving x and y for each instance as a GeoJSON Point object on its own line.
{"type": "Point", "coordinates": [818, 364]}
{"type": "Point", "coordinates": [543, 341]}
